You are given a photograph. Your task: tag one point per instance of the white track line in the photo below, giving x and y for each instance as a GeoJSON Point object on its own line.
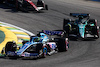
{"type": "Point", "coordinates": [23, 36]}
{"type": "Point", "coordinates": [28, 32]}
{"type": "Point", "coordinates": [16, 30]}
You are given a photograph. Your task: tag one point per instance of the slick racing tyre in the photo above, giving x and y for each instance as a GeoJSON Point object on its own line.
{"type": "Point", "coordinates": [95, 29]}
{"type": "Point", "coordinates": [61, 44]}
{"type": "Point", "coordinates": [95, 32]}
{"type": "Point", "coordinates": [46, 7]}
{"type": "Point", "coordinates": [66, 27]}
{"type": "Point", "coordinates": [92, 21]}
{"type": "Point", "coordinates": [10, 46]}
{"type": "Point", "coordinates": [65, 24]}
{"type": "Point", "coordinates": [22, 7]}
{"type": "Point", "coordinates": [18, 6]}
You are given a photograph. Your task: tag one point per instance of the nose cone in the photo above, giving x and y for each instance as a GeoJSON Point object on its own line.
{"type": "Point", "coordinates": [82, 30]}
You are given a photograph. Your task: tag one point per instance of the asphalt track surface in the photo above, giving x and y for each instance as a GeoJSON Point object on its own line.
{"type": "Point", "coordinates": [80, 53]}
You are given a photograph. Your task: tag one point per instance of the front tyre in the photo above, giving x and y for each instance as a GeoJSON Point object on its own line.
{"type": "Point", "coordinates": [97, 32]}
{"type": "Point", "coordinates": [46, 7]}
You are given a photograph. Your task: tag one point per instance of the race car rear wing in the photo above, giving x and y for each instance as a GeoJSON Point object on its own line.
{"type": "Point", "coordinates": [52, 32]}
{"type": "Point", "coordinates": [79, 14]}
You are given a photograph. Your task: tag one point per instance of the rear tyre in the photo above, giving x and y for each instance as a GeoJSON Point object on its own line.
{"type": "Point", "coordinates": [62, 44]}
{"type": "Point", "coordinates": [22, 7]}
{"type": "Point", "coordinates": [18, 6]}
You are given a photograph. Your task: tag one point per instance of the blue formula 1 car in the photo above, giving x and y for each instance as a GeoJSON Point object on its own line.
{"type": "Point", "coordinates": [39, 46]}
{"type": "Point", "coordinates": [83, 27]}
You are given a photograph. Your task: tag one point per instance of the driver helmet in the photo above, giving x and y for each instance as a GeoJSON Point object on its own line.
{"type": "Point", "coordinates": [36, 40]}
{"type": "Point", "coordinates": [80, 17]}
{"type": "Point", "coordinates": [40, 34]}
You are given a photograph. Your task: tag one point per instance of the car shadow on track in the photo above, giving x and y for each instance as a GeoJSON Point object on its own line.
{"type": "Point", "coordinates": [13, 58]}
{"type": "Point", "coordinates": [3, 6]}
{"type": "Point", "coordinates": [79, 39]}
{"type": "Point", "coordinates": [7, 8]}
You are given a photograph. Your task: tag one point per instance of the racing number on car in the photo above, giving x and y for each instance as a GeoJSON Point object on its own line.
{"type": "Point", "coordinates": [53, 46]}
